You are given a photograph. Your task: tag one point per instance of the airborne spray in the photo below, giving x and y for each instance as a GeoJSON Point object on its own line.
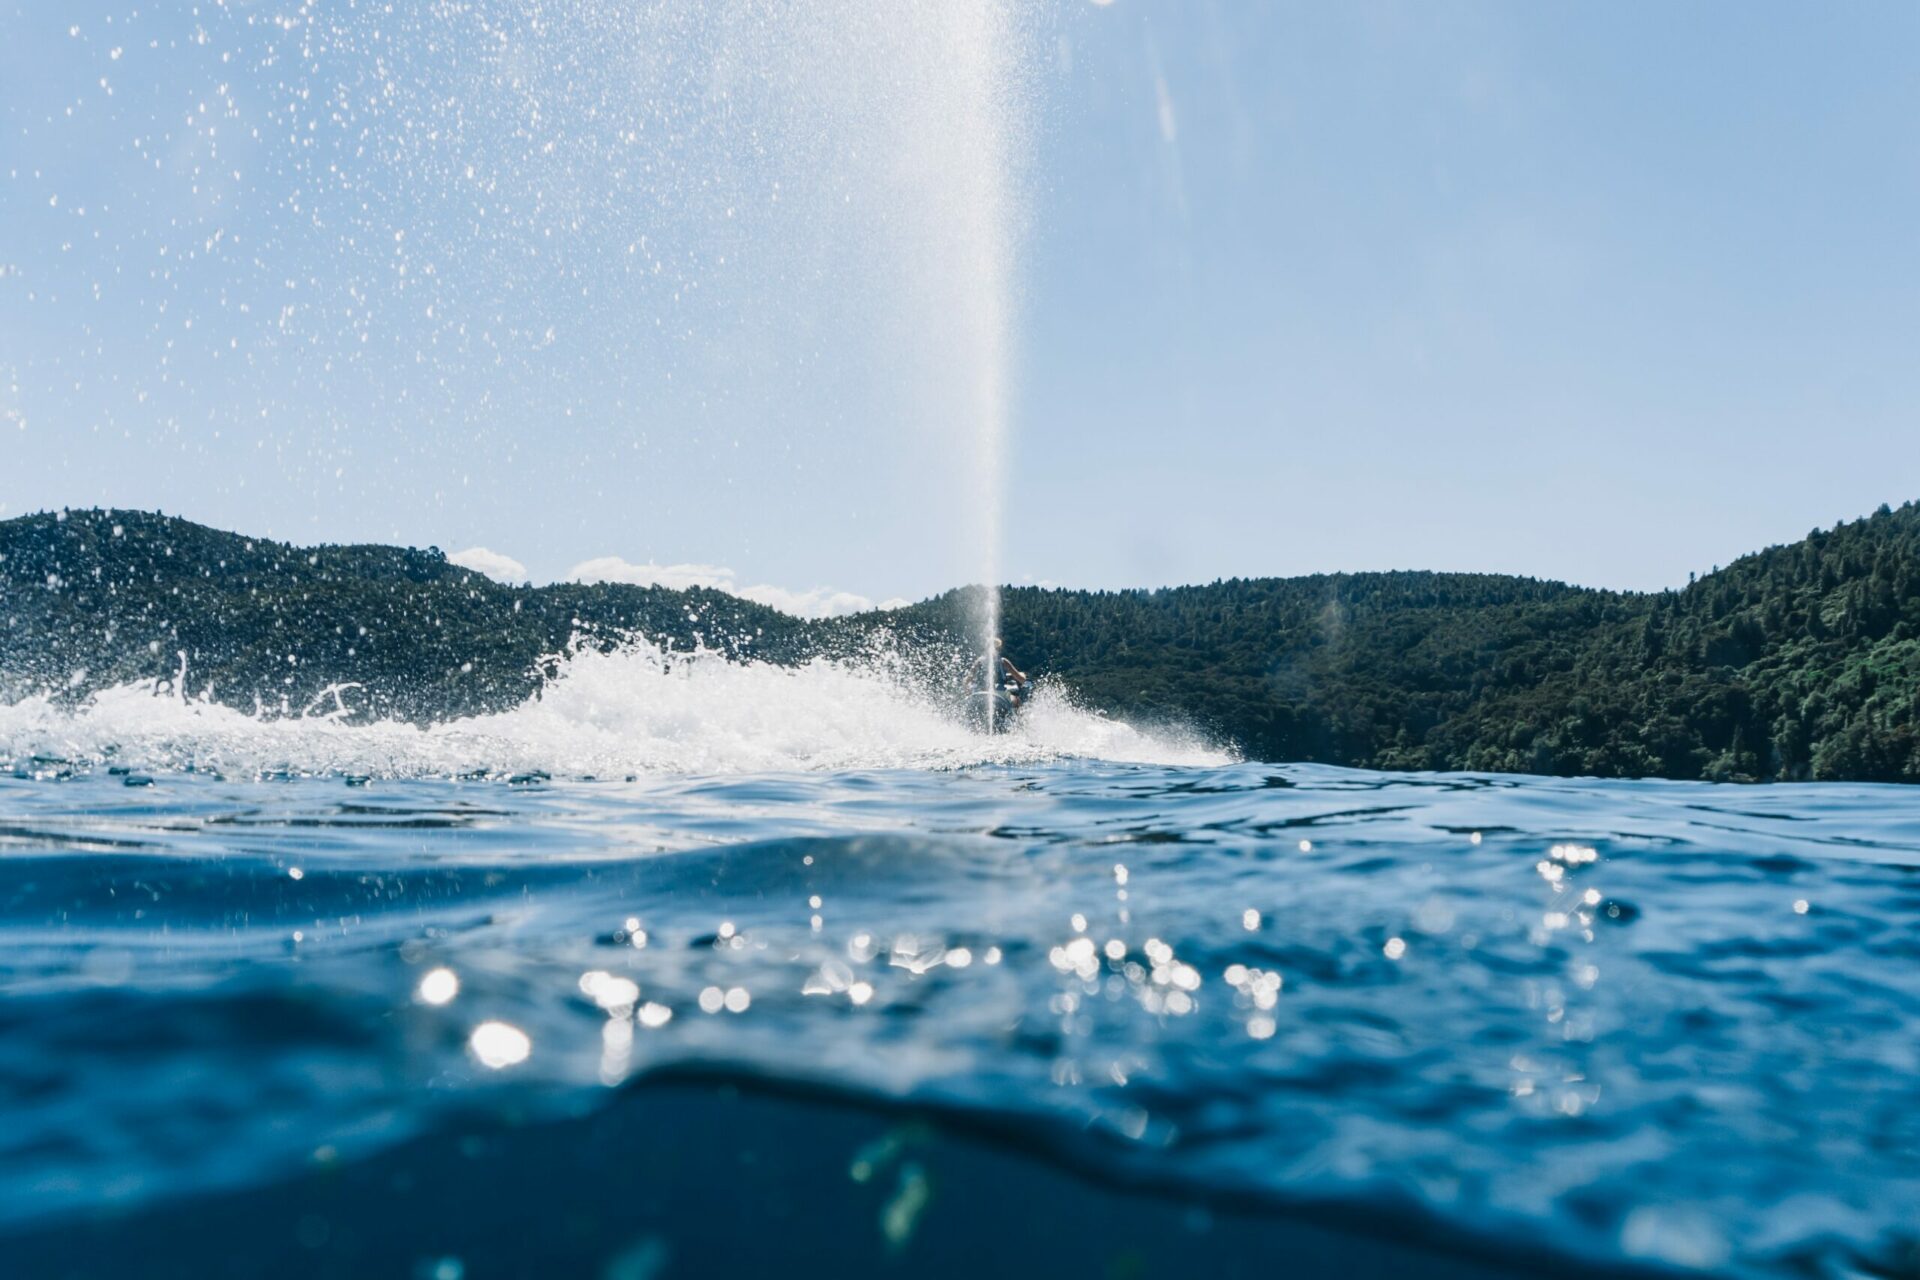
{"type": "Point", "coordinates": [608, 246]}
{"type": "Point", "coordinates": [928, 103]}
{"type": "Point", "coordinates": [638, 710]}
{"type": "Point", "coordinates": [918, 112]}
{"type": "Point", "coordinates": [985, 229]}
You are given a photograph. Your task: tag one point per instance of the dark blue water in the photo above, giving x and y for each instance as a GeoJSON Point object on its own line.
{"type": "Point", "coordinates": [1538, 1024]}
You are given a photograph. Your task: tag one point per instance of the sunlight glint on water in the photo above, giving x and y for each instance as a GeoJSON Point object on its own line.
{"type": "Point", "coordinates": [1631, 1022]}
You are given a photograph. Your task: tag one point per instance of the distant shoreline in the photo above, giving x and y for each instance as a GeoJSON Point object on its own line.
{"type": "Point", "coordinates": [1799, 662]}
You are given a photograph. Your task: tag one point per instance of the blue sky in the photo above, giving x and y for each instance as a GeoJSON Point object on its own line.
{"type": "Point", "coordinates": [1604, 293]}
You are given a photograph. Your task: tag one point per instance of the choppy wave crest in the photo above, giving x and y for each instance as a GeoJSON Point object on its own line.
{"type": "Point", "coordinates": [634, 710]}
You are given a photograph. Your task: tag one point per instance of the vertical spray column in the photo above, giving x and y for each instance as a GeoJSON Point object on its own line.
{"type": "Point", "coordinates": [984, 218]}
{"type": "Point", "coordinates": [898, 136]}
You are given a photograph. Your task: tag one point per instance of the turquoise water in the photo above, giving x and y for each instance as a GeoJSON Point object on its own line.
{"type": "Point", "coordinates": [1523, 1021]}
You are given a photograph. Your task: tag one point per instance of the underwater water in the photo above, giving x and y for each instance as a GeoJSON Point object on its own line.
{"type": "Point", "coordinates": [307, 998]}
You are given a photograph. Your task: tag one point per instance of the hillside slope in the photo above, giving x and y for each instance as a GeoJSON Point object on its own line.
{"type": "Point", "coordinates": [95, 598]}
{"type": "Point", "coordinates": [1802, 661]}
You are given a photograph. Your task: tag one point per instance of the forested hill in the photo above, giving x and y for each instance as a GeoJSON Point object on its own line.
{"type": "Point", "coordinates": [1801, 661]}
{"type": "Point", "coordinates": [95, 598]}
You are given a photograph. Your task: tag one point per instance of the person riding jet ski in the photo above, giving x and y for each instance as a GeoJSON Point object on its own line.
{"type": "Point", "coordinates": [997, 690]}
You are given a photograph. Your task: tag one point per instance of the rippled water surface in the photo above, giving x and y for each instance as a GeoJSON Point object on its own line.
{"type": "Point", "coordinates": [1620, 1023]}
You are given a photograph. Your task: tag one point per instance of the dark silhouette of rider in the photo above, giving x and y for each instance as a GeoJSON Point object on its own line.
{"type": "Point", "coordinates": [994, 669]}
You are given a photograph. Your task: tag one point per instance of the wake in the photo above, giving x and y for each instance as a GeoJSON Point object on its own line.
{"type": "Point", "coordinates": [630, 711]}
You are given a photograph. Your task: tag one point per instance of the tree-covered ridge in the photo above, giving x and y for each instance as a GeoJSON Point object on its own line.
{"type": "Point", "coordinates": [95, 598]}
{"type": "Point", "coordinates": [1802, 661]}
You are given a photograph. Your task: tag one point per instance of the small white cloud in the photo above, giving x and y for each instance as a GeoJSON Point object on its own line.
{"type": "Point", "coordinates": [820, 602]}
{"type": "Point", "coordinates": [492, 563]}
{"type": "Point", "coordinates": [677, 576]}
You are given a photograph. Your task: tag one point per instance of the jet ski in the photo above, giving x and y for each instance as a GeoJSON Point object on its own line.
{"type": "Point", "coordinates": [997, 710]}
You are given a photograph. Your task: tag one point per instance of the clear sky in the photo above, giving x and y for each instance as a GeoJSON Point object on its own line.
{"type": "Point", "coordinates": [1598, 292]}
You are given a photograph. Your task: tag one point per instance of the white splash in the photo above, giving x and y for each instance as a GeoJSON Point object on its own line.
{"type": "Point", "coordinates": [606, 715]}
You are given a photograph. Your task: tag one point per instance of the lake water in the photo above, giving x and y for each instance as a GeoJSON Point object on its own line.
{"type": "Point", "coordinates": [1111, 1017]}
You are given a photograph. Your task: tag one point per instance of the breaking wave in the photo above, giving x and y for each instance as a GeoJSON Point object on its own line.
{"type": "Point", "coordinates": [634, 710]}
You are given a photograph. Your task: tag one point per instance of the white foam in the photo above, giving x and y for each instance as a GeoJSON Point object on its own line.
{"type": "Point", "coordinates": [636, 710]}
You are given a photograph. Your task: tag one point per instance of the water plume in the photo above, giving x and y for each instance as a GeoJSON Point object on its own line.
{"type": "Point", "coordinates": [638, 710]}
{"type": "Point", "coordinates": [685, 275]}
